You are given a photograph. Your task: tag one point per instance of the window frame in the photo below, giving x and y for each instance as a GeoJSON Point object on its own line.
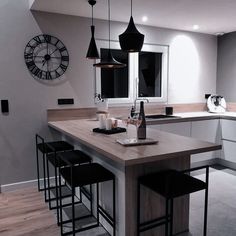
{"type": "Point", "coordinates": [133, 73]}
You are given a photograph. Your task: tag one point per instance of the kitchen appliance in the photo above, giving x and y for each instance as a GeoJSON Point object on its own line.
{"type": "Point", "coordinates": [216, 104]}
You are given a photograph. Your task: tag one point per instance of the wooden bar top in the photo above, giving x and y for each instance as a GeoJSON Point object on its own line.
{"type": "Point", "coordinates": [169, 145]}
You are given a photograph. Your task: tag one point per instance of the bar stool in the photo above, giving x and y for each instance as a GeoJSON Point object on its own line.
{"type": "Point", "coordinates": [42, 146]}
{"type": "Point", "coordinates": [75, 157]}
{"type": "Point", "coordinates": [171, 184]}
{"type": "Point", "coordinates": [80, 176]}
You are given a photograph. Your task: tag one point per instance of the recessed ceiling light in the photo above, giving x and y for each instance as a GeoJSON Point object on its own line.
{"type": "Point", "coordinates": [195, 27]}
{"type": "Point", "coordinates": [144, 18]}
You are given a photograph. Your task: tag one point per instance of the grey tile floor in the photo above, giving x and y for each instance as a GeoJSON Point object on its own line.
{"type": "Point", "coordinates": [221, 206]}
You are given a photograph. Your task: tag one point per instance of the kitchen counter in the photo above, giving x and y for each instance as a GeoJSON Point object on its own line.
{"type": "Point", "coordinates": [128, 163]}
{"type": "Point", "coordinates": [169, 145]}
{"type": "Point", "coordinates": [193, 116]}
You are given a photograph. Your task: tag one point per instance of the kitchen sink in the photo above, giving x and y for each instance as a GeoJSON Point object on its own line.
{"type": "Point", "coordinates": [160, 116]}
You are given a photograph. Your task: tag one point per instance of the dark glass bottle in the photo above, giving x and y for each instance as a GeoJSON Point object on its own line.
{"type": "Point", "coordinates": [142, 128]}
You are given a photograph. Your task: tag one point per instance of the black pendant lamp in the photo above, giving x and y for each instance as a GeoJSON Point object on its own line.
{"type": "Point", "coordinates": [92, 52]}
{"type": "Point", "coordinates": [109, 61]}
{"type": "Point", "coordinates": [131, 40]}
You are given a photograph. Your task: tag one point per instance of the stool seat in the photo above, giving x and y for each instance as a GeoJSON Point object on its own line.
{"type": "Point", "coordinates": [86, 174]}
{"type": "Point", "coordinates": [74, 157]}
{"type": "Point", "coordinates": [172, 183]}
{"type": "Point", "coordinates": [58, 146]}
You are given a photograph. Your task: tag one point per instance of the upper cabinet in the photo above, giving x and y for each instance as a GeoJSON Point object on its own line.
{"type": "Point", "coordinates": [145, 76]}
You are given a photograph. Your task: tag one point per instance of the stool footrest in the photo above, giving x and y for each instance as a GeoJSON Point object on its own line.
{"type": "Point", "coordinates": [107, 216]}
{"type": "Point", "coordinates": [153, 223]}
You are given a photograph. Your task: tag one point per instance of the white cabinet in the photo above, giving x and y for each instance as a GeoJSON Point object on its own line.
{"type": "Point", "coordinates": [206, 130]}
{"type": "Point", "coordinates": [180, 128]}
{"type": "Point", "coordinates": [228, 140]}
{"type": "Point", "coordinates": [229, 151]}
{"type": "Point", "coordinates": [228, 129]}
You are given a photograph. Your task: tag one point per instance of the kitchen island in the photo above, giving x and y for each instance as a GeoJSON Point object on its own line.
{"type": "Point", "coordinates": [127, 163]}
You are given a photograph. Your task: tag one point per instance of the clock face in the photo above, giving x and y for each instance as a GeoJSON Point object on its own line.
{"type": "Point", "coordinates": [46, 57]}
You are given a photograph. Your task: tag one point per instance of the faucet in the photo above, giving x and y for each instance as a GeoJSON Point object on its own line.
{"type": "Point", "coordinates": [139, 99]}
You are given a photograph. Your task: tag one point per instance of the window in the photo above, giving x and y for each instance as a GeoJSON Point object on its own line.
{"type": "Point", "coordinates": [145, 75]}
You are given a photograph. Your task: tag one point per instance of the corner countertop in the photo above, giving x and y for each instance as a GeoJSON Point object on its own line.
{"type": "Point", "coordinates": [169, 145]}
{"type": "Point", "coordinates": [193, 116]}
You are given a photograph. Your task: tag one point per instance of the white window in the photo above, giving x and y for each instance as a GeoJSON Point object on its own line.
{"type": "Point", "coordinates": [146, 74]}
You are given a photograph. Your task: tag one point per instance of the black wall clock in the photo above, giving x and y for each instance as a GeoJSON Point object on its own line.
{"type": "Point", "coordinates": [46, 57]}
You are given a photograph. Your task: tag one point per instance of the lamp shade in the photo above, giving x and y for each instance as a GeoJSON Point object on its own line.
{"type": "Point", "coordinates": [92, 52]}
{"type": "Point", "coordinates": [131, 40]}
{"type": "Point", "coordinates": [109, 62]}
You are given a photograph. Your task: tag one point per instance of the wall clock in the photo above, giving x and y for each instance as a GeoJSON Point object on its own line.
{"type": "Point", "coordinates": [46, 57]}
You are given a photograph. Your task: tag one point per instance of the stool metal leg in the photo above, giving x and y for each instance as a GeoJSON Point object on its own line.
{"type": "Point", "coordinates": [167, 218]}
{"type": "Point", "coordinates": [138, 208]}
{"type": "Point", "coordinates": [56, 183]}
{"type": "Point", "coordinates": [73, 211]}
{"type": "Point", "coordinates": [44, 178]}
{"type": "Point", "coordinates": [114, 207]}
{"type": "Point", "coordinates": [97, 203]}
{"type": "Point", "coordinates": [206, 202]}
{"type": "Point", "coordinates": [171, 215]}
{"type": "Point", "coordinates": [49, 186]}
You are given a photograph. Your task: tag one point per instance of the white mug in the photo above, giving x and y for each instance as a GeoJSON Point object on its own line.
{"type": "Point", "coordinates": [102, 121]}
{"type": "Point", "coordinates": [108, 124]}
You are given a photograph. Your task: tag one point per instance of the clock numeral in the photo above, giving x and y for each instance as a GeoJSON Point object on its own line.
{"type": "Point", "coordinates": [38, 40]}
{"type": "Point", "coordinates": [57, 42]}
{"type": "Point", "coordinates": [57, 74]}
{"type": "Point", "coordinates": [36, 71]}
{"type": "Point", "coordinates": [30, 64]}
{"type": "Point", "coordinates": [65, 58]}
{"type": "Point", "coordinates": [48, 75]}
{"type": "Point", "coordinates": [62, 49]}
{"type": "Point", "coordinates": [47, 38]}
{"type": "Point", "coordinates": [63, 67]}
{"type": "Point", "coordinates": [29, 56]}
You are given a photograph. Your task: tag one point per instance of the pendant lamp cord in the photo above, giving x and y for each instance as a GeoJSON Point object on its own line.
{"type": "Point", "coordinates": [131, 7]}
{"type": "Point", "coordinates": [92, 15]}
{"type": "Point", "coordinates": [109, 23]}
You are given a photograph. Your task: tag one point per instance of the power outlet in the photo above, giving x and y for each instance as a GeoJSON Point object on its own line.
{"type": "Point", "coordinates": [65, 101]}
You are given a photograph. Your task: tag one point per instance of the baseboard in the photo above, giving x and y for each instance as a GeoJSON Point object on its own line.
{"type": "Point", "coordinates": [228, 164]}
{"type": "Point", "coordinates": [21, 185]}
{"type": "Point", "coordinates": [210, 162]}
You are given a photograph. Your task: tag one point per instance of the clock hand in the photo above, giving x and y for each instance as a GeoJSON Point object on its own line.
{"type": "Point", "coordinates": [53, 52]}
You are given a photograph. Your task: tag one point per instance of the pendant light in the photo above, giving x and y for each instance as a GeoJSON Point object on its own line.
{"type": "Point", "coordinates": [131, 40]}
{"type": "Point", "coordinates": [109, 62]}
{"type": "Point", "coordinates": [92, 52]}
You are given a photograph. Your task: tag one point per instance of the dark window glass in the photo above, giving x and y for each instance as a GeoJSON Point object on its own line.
{"type": "Point", "coordinates": [150, 64]}
{"type": "Point", "coordinates": [115, 82]}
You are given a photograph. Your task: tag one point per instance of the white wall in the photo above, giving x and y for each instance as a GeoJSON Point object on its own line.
{"type": "Point", "coordinates": [192, 74]}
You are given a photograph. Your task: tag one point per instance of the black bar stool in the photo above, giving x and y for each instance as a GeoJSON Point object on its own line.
{"type": "Point", "coordinates": [171, 184]}
{"type": "Point", "coordinates": [80, 176]}
{"type": "Point", "coordinates": [42, 146]}
{"type": "Point", "coordinates": [74, 157]}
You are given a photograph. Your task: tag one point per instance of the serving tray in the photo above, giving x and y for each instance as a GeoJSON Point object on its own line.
{"type": "Point", "coordinates": [111, 131]}
{"type": "Point", "coordinates": [136, 142]}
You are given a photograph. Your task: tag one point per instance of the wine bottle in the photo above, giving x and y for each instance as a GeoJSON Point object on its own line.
{"type": "Point", "coordinates": [142, 127]}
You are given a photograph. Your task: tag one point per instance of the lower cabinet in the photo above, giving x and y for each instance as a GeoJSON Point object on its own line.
{"type": "Point", "coordinates": [228, 151]}
{"type": "Point", "coordinates": [181, 128]}
{"type": "Point", "coordinates": [219, 131]}
{"type": "Point", "coordinates": [206, 130]}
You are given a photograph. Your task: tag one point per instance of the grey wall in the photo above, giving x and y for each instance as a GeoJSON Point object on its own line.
{"type": "Point", "coordinates": [192, 73]}
{"type": "Point", "coordinates": [226, 66]}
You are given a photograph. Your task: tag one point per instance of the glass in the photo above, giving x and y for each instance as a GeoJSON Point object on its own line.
{"type": "Point", "coordinates": [126, 122]}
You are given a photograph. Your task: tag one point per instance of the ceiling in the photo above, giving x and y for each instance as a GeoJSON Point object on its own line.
{"type": "Point", "coordinates": [212, 16]}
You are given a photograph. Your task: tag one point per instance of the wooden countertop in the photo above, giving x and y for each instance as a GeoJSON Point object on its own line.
{"type": "Point", "coordinates": [169, 146]}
